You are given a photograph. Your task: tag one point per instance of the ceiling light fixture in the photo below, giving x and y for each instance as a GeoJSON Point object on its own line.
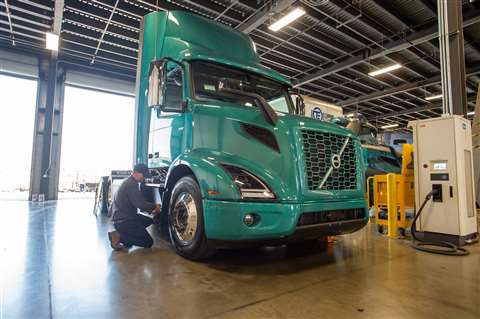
{"type": "Point", "coordinates": [389, 126]}
{"type": "Point", "coordinates": [52, 40]}
{"type": "Point", "coordinates": [385, 70]}
{"type": "Point", "coordinates": [287, 19]}
{"type": "Point", "coordinates": [434, 97]}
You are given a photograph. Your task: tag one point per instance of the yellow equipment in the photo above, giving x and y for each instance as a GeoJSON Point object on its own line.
{"type": "Point", "coordinates": [394, 193]}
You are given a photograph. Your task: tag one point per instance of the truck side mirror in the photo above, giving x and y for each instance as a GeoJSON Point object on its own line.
{"type": "Point", "coordinates": [173, 99]}
{"type": "Point", "coordinates": [156, 87]}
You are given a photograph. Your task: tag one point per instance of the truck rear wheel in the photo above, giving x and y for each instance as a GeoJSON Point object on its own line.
{"type": "Point", "coordinates": [101, 205]}
{"type": "Point", "coordinates": [186, 222]}
{"type": "Point", "coordinates": [109, 200]}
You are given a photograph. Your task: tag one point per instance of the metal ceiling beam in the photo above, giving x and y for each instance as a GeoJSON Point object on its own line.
{"type": "Point", "coordinates": [410, 40]}
{"type": "Point", "coordinates": [29, 21]}
{"type": "Point", "coordinates": [334, 50]}
{"type": "Point", "coordinates": [104, 31]}
{"type": "Point", "coordinates": [313, 39]}
{"type": "Point", "coordinates": [263, 15]}
{"type": "Point", "coordinates": [21, 26]}
{"type": "Point", "coordinates": [122, 12]}
{"type": "Point", "coordinates": [28, 12]}
{"type": "Point", "coordinates": [402, 88]}
{"type": "Point", "coordinates": [9, 17]}
{"type": "Point", "coordinates": [408, 25]}
{"type": "Point", "coordinates": [100, 18]}
{"type": "Point", "coordinates": [432, 7]}
{"type": "Point", "coordinates": [424, 108]}
{"type": "Point", "coordinates": [37, 5]}
{"type": "Point", "coordinates": [226, 10]}
{"type": "Point", "coordinates": [98, 30]}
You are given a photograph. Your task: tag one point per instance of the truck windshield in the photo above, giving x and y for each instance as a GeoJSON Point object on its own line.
{"type": "Point", "coordinates": [207, 77]}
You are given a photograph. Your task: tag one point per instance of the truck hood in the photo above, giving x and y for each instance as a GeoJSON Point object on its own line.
{"type": "Point", "coordinates": [220, 129]}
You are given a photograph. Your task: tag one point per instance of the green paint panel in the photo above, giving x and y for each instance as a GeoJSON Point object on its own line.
{"type": "Point", "coordinates": [224, 220]}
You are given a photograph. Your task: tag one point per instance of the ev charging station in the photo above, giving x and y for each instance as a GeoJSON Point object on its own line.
{"type": "Point", "coordinates": [443, 168]}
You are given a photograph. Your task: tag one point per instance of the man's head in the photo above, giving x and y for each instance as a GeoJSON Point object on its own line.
{"type": "Point", "coordinates": [140, 172]}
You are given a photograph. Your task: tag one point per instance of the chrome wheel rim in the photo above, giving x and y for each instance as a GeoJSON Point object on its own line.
{"type": "Point", "coordinates": [184, 218]}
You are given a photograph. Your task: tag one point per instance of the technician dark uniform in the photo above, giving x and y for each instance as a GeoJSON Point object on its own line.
{"type": "Point", "coordinates": [130, 225]}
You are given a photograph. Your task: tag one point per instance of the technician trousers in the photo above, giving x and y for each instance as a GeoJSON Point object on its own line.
{"type": "Point", "coordinates": [133, 232]}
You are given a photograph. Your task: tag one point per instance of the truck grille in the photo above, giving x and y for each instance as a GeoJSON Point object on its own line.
{"type": "Point", "coordinates": [318, 150]}
{"type": "Point", "coordinates": [315, 218]}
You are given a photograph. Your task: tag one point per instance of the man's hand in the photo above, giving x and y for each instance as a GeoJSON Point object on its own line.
{"type": "Point", "coordinates": [157, 209]}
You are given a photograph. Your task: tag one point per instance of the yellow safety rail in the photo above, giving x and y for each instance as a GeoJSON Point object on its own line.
{"type": "Point", "coordinates": [394, 193]}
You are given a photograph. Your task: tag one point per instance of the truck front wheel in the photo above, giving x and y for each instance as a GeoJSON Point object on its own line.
{"type": "Point", "coordinates": [186, 222]}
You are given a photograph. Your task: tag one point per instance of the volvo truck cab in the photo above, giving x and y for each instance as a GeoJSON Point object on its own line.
{"type": "Point", "coordinates": [231, 160]}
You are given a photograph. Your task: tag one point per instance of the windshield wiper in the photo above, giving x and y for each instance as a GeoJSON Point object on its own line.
{"type": "Point", "coordinates": [267, 111]}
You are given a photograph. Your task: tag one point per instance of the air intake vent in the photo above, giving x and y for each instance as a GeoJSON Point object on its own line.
{"type": "Point", "coordinates": [315, 218]}
{"type": "Point", "coordinates": [262, 135]}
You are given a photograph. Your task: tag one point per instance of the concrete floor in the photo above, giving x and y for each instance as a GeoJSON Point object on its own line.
{"type": "Point", "coordinates": [55, 261]}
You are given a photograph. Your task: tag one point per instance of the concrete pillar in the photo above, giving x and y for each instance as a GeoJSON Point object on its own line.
{"type": "Point", "coordinates": [452, 58]}
{"type": "Point", "coordinates": [45, 169]}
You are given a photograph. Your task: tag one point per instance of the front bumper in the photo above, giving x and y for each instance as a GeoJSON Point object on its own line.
{"type": "Point", "coordinates": [277, 222]}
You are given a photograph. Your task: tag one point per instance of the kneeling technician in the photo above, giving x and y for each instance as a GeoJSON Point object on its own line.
{"type": "Point", "coordinates": [130, 227]}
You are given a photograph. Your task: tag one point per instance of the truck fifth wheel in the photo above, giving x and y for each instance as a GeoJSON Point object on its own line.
{"type": "Point", "coordinates": [232, 160]}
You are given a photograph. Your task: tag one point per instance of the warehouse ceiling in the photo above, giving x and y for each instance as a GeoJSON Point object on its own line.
{"type": "Point", "coordinates": [327, 53]}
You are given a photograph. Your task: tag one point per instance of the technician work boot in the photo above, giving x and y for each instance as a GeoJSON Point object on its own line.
{"type": "Point", "coordinates": [114, 237]}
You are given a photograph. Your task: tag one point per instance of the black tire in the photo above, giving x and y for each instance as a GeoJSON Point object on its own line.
{"type": "Point", "coordinates": [95, 204]}
{"type": "Point", "coordinates": [108, 199]}
{"type": "Point", "coordinates": [197, 248]}
{"type": "Point", "coordinates": [101, 198]}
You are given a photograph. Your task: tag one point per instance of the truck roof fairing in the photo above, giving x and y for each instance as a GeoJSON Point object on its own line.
{"type": "Point", "coordinates": [185, 36]}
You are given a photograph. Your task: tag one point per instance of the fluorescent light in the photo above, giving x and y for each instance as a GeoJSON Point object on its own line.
{"type": "Point", "coordinates": [287, 19]}
{"type": "Point", "coordinates": [385, 70]}
{"type": "Point", "coordinates": [471, 113]}
{"type": "Point", "coordinates": [389, 126]}
{"type": "Point", "coordinates": [52, 41]}
{"type": "Point", "coordinates": [434, 97]}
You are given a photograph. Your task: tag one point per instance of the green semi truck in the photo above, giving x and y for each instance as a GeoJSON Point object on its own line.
{"type": "Point", "coordinates": [232, 160]}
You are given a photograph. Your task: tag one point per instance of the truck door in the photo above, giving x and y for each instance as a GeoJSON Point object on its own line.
{"type": "Point", "coordinates": [166, 137]}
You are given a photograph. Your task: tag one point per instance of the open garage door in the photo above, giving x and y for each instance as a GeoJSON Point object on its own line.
{"type": "Point", "coordinates": [97, 138]}
{"type": "Point", "coordinates": [17, 113]}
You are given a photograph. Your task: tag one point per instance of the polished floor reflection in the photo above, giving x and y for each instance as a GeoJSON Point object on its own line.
{"type": "Point", "coordinates": [55, 262]}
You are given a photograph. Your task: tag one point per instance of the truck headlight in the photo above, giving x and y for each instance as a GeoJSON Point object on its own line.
{"type": "Point", "coordinates": [249, 185]}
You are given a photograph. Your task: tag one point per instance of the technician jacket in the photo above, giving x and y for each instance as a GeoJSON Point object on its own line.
{"type": "Point", "coordinates": [126, 201]}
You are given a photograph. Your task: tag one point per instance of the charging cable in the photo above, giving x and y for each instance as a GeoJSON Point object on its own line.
{"type": "Point", "coordinates": [428, 246]}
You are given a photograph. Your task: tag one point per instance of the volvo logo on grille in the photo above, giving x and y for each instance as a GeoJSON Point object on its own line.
{"type": "Point", "coordinates": [336, 161]}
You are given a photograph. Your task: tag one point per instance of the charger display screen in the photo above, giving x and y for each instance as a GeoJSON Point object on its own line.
{"type": "Point", "coordinates": [439, 166]}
